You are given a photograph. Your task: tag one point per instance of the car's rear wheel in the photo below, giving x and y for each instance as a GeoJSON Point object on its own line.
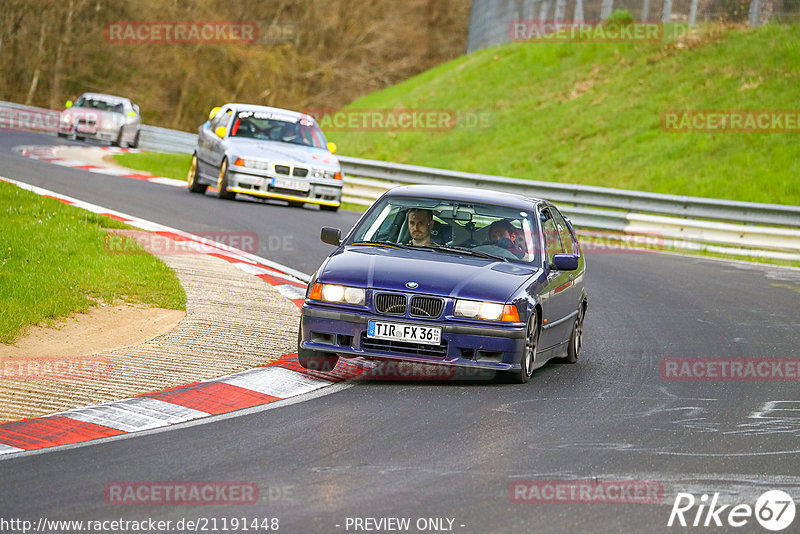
{"type": "Point", "coordinates": [222, 182]}
{"type": "Point", "coordinates": [525, 371]}
{"type": "Point", "coordinates": [194, 184]}
{"type": "Point", "coordinates": [575, 341]}
{"type": "Point", "coordinates": [329, 208]}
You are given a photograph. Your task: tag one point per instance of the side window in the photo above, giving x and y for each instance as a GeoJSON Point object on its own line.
{"type": "Point", "coordinates": [563, 231]}
{"type": "Point", "coordinates": [552, 240]}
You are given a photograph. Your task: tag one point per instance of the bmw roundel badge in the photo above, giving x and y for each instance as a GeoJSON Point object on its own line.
{"type": "Point", "coordinates": [412, 285]}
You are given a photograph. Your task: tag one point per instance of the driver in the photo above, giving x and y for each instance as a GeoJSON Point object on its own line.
{"type": "Point", "coordinates": [420, 224]}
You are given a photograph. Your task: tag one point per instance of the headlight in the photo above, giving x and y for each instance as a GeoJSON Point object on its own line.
{"type": "Point", "coordinates": [489, 311]}
{"type": "Point", "coordinates": [252, 163]}
{"type": "Point", "coordinates": [66, 119]}
{"type": "Point", "coordinates": [322, 173]}
{"type": "Point", "coordinates": [336, 293]}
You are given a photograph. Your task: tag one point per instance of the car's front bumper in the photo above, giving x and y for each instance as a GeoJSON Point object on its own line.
{"type": "Point", "coordinates": [491, 346]}
{"type": "Point", "coordinates": [320, 191]}
{"type": "Point", "coordinates": [101, 134]}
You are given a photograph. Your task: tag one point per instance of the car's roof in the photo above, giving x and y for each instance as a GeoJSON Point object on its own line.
{"type": "Point", "coordinates": [101, 96]}
{"type": "Point", "coordinates": [466, 194]}
{"type": "Point", "coordinates": [266, 109]}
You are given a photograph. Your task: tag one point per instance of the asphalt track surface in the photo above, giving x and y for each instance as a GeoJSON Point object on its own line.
{"type": "Point", "coordinates": [425, 449]}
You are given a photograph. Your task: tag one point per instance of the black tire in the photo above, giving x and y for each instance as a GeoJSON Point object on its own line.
{"type": "Point", "coordinates": [63, 135]}
{"type": "Point", "coordinates": [118, 142]}
{"type": "Point", "coordinates": [524, 373]}
{"type": "Point", "coordinates": [575, 341]}
{"type": "Point", "coordinates": [222, 182]}
{"type": "Point", "coordinates": [194, 184]}
{"type": "Point", "coordinates": [80, 138]}
{"type": "Point", "coordinates": [329, 208]}
{"type": "Point", "coordinates": [135, 143]}
{"type": "Point", "coordinates": [295, 204]}
{"type": "Point", "coordinates": [317, 361]}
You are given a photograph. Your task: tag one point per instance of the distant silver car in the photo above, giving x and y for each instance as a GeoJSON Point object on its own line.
{"type": "Point", "coordinates": [266, 152]}
{"type": "Point", "coordinates": [109, 118]}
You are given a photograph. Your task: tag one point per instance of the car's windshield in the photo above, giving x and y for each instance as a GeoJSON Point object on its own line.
{"type": "Point", "coordinates": [275, 127]}
{"type": "Point", "coordinates": [481, 229]}
{"type": "Point", "coordinates": [99, 104]}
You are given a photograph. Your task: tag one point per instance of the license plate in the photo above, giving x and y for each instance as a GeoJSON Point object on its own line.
{"type": "Point", "coordinates": [295, 185]}
{"type": "Point", "coordinates": [410, 333]}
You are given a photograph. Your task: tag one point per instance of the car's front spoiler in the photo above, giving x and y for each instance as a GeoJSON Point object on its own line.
{"type": "Point", "coordinates": [281, 196]}
{"type": "Point", "coordinates": [452, 329]}
{"type": "Point", "coordinates": [492, 347]}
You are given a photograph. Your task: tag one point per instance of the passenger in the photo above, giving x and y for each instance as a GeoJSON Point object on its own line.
{"type": "Point", "coordinates": [420, 224]}
{"type": "Point", "coordinates": [503, 234]}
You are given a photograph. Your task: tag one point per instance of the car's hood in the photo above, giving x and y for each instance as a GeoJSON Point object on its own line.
{"type": "Point", "coordinates": [437, 273]}
{"type": "Point", "coordinates": [282, 153]}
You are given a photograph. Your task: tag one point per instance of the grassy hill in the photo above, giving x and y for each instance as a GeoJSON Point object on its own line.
{"type": "Point", "coordinates": [589, 113]}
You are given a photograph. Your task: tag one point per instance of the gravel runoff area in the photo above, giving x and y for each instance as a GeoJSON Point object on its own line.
{"type": "Point", "coordinates": [234, 321]}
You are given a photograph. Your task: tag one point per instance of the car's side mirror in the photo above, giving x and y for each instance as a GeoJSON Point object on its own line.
{"type": "Point", "coordinates": [68, 104]}
{"type": "Point", "coordinates": [331, 236]}
{"type": "Point", "coordinates": [132, 114]}
{"type": "Point", "coordinates": [332, 147]}
{"type": "Point", "coordinates": [220, 131]}
{"type": "Point", "coordinates": [565, 262]}
{"type": "Point", "coordinates": [212, 113]}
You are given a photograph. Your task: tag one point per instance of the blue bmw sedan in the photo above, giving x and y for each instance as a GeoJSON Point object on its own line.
{"type": "Point", "coordinates": [449, 276]}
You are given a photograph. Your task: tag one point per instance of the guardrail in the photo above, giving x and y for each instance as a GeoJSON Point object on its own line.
{"type": "Point", "coordinates": [694, 223]}
{"type": "Point", "coordinates": [166, 140]}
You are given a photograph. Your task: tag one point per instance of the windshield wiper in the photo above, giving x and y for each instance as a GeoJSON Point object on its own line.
{"type": "Point", "coordinates": [381, 243]}
{"type": "Point", "coordinates": [468, 251]}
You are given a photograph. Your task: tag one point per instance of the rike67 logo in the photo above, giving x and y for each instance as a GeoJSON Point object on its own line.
{"type": "Point", "coordinates": [774, 510]}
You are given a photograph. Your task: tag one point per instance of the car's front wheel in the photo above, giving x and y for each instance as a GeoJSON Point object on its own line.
{"type": "Point", "coordinates": [329, 208]}
{"type": "Point", "coordinates": [118, 142]}
{"type": "Point", "coordinates": [135, 143]}
{"type": "Point", "coordinates": [222, 182]}
{"type": "Point", "coordinates": [525, 371]}
{"type": "Point", "coordinates": [194, 184]}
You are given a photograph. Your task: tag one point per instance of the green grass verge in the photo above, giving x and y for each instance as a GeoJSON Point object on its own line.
{"type": "Point", "coordinates": [158, 163]}
{"type": "Point", "coordinates": [590, 113]}
{"type": "Point", "coordinates": [53, 262]}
